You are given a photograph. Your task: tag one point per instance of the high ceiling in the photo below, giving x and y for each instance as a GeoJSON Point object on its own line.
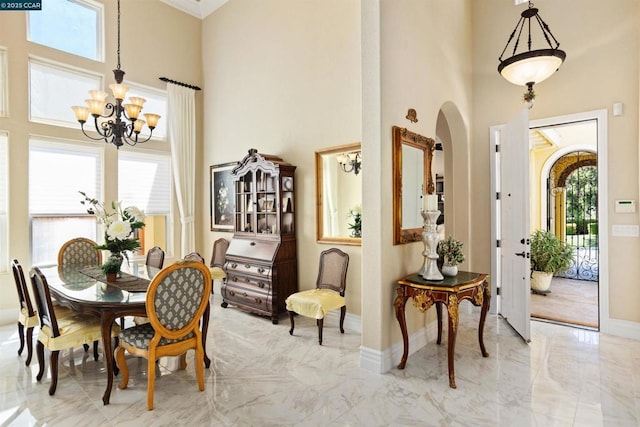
{"type": "Point", "coordinates": [197, 8]}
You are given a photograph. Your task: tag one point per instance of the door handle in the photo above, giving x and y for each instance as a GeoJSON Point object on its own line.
{"type": "Point", "coordinates": [523, 241]}
{"type": "Point", "coordinates": [522, 254]}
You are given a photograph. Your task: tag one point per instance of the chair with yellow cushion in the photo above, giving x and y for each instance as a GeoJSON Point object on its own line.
{"type": "Point", "coordinates": [218, 254]}
{"type": "Point", "coordinates": [27, 318]}
{"type": "Point", "coordinates": [176, 300]}
{"type": "Point", "coordinates": [79, 251]}
{"type": "Point", "coordinates": [328, 294]}
{"type": "Point", "coordinates": [61, 328]}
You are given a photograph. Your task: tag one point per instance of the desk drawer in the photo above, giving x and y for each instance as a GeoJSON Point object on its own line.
{"type": "Point", "coordinates": [256, 283]}
{"type": "Point", "coordinates": [252, 298]}
{"type": "Point", "coordinates": [232, 266]}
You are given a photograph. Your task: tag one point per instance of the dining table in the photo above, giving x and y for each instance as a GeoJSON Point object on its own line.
{"type": "Point", "coordinates": [85, 290]}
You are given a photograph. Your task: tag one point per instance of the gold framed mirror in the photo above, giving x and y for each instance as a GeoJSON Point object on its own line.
{"type": "Point", "coordinates": [339, 194]}
{"type": "Point", "coordinates": [412, 177]}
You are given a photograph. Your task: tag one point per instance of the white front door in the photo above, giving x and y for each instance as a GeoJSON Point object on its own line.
{"type": "Point", "coordinates": [513, 205]}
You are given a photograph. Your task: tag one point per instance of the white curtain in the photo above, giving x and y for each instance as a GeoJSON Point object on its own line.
{"type": "Point", "coordinates": [181, 112]}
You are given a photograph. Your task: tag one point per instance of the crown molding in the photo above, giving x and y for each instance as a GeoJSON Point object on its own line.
{"type": "Point", "coordinates": [198, 8]}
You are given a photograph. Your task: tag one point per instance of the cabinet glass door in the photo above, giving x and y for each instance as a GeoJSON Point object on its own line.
{"type": "Point", "coordinates": [266, 203]}
{"type": "Point", "coordinates": [287, 205]}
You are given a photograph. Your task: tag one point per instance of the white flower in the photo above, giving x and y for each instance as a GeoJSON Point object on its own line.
{"type": "Point", "coordinates": [357, 210]}
{"type": "Point", "coordinates": [135, 213]}
{"type": "Point", "coordinates": [119, 230]}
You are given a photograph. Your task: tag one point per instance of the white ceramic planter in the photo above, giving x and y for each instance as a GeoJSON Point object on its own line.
{"type": "Point", "coordinates": [449, 270]}
{"type": "Point", "coordinates": [541, 281]}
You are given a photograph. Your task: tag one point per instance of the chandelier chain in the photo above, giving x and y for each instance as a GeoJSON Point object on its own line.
{"type": "Point", "coordinates": [118, 35]}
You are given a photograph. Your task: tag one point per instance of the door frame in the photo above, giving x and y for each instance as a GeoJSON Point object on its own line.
{"type": "Point", "coordinates": [603, 214]}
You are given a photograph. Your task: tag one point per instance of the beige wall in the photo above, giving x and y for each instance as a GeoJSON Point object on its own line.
{"type": "Point", "coordinates": [601, 42]}
{"type": "Point", "coordinates": [144, 58]}
{"type": "Point", "coordinates": [283, 77]}
{"type": "Point", "coordinates": [425, 70]}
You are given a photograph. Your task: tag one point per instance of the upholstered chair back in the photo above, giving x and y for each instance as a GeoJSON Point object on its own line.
{"type": "Point", "coordinates": [79, 251]}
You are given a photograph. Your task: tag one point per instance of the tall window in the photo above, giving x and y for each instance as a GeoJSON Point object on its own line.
{"type": "Point", "coordinates": [74, 26]}
{"type": "Point", "coordinates": [54, 87]}
{"type": "Point", "coordinates": [144, 180]}
{"type": "Point", "coordinates": [4, 190]}
{"type": "Point", "coordinates": [57, 171]}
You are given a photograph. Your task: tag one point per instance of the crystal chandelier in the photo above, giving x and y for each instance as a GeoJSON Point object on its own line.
{"type": "Point", "coordinates": [529, 67]}
{"type": "Point", "coordinates": [120, 123]}
{"type": "Point", "coordinates": [350, 162]}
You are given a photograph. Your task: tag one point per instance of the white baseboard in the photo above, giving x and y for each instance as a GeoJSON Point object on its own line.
{"type": "Point", "coordinates": [8, 316]}
{"type": "Point", "coordinates": [623, 328]}
{"type": "Point", "coordinates": [351, 321]}
{"type": "Point", "coordinates": [381, 361]}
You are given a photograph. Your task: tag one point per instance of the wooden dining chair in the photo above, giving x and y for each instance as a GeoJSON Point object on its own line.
{"type": "Point", "coordinates": [328, 294]}
{"type": "Point", "coordinates": [61, 328]}
{"type": "Point", "coordinates": [194, 256]}
{"type": "Point", "coordinates": [27, 318]}
{"type": "Point", "coordinates": [155, 257]}
{"type": "Point", "coordinates": [176, 300]}
{"type": "Point", "coordinates": [79, 251]}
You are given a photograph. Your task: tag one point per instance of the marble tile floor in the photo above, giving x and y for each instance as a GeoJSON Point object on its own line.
{"type": "Point", "coordinates": [262, 376]}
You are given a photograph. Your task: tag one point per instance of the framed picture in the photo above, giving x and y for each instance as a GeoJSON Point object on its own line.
{"type": "Point", "coordinates": [223, 197]}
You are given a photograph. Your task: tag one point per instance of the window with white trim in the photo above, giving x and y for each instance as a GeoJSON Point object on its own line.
{"type": "Point", "coordinates": [54, 88]}
{"type": "Point", "coordinates": [73, 26]}
{"type": "Point", "coordinates": [4, 196]}
{"type": "Point", "coordinates": [57, 171]}
{"type": "Point", "coordinates": [4, 82]}
{"type": "Point", "coordinates": [144, 181]}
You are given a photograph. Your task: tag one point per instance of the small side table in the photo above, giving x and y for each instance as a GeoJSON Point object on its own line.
{"type": "Point", "coordinates": [449, 292]}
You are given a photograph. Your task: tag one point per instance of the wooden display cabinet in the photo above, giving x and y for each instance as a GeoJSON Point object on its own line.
{"type": "Point", "coordinates": [261, 262]}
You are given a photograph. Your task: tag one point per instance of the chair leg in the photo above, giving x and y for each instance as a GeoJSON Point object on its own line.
{"type": "Point", "coordinates": [120, 361]}
{"type": "Point", "coordinates": [292, 323]}
{"type": "Point", "coordinates": [320, 322]}
{"type": "Point", "coordinates": [40, 352]}
{"type": "Point", "coordinates": [29, 346]}
{"type": "Point", "coordinates": [54, 372]}
{"type": "Point", "coordinates": [21, 335]}
{"type": "Point", "coordinates": [182, 361]}
{"type": "Point", "coordinates": [343, 312]}
{"type": "Point", "coordinates": [151, 380]}
{"type": "Point", "coordinates": [95, 350]}
{"type": "Point", "coordinates": [86, 347]}
{"type": "Point", "coordinates": [200, 367]}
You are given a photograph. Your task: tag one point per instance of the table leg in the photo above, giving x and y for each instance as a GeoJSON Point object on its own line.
{"type": "Point", "coordinates": [106, 319]}
{"type": "Point", "coordinates": [439, 312]}
{"type": "Point", "coordinates": [399, 304]}
{"type": "Point", "coordinates": [452, 306]}
{"type": "Point", "coordinates": [205, 328]}
{"type": "Point", "coordinates": [486, 302]}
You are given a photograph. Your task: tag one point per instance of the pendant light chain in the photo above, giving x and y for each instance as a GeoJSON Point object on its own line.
{"type": "Point", "coordinates": [118, 35]}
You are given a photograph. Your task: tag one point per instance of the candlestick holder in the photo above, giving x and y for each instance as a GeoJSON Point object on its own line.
{"type": "Point", "coordinates": [429, 270]}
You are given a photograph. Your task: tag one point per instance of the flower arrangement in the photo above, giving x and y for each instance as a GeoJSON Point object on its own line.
{"type": "Point", "coordinates": [356, 226]}
{"type": "Point", "coordinates": [450, 251]}
{"type": "Point", "coordinates": [120, 225]}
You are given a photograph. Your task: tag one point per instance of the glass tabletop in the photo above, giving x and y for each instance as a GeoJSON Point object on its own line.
{"type": "Point", "coordinates": [70, 282]}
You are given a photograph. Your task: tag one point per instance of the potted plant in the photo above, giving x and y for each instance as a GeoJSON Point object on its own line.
{"type": "Point", "coordinates": [450, 253]}
{"type": "Point", "coordinates": [111, 268]}
{"type": "Point", "coordinates": [549, 255]}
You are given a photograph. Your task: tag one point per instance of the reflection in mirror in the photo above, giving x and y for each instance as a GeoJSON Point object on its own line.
{"type": "Point", "coordinates": [438, 172]}
{"type": "Point", "coordinates": [412, 178]}
{"type": "Point", "coordinates": [412, 188]}
{"type": "Point", "coordinates": [339, 194]}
